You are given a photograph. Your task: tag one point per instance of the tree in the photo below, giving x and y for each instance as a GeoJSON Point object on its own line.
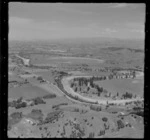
{"type": "Point", "coordinates": [91, 135]}
{"type": "Point", "coordinates": [38, 100]}
{"type": "Point", "coordinates": [91, 83]}
{"type": "Point", "coordinates": [117, 94]}
{"type": "Point", "coordinates": [21, 105]}
{"type": "Point", "coordinates": [99, 94]}
{"type": "Point", "coordinates": [72, 84]}
{"type": "Point", "coordinates": [26, 81]}
{"type": "Point", "coordinates": [120, 124]}
{"type": "Point", "coordinates": [102, 132]}
{"type": "Point", "coordinates": [104, 78]}
{"type": "Point", "coordinates": [128, 95]}
{"type": "Point", "coordinates": [95, 108]}
{"type": "Point", "coordinates": [134, 74]}
{"type": "Point", "coordinates": [110, 76]}
{"type": "Point", "coordinates": [40, 78]}
{"type": "Point", "coordinates": [88, 88]}
{"type": "Point", "coordinates": [36, 111]}
{"type": "Point", "coordinates": [19, 100]}
{"type": "Point", "coordinates": [75, 89]}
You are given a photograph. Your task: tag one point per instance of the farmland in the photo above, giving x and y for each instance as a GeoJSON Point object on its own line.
{"type": "Point", "coordinates": [58, 90]}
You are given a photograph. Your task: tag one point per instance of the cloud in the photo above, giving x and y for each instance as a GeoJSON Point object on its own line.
{"type": "Point", "coordinates": [19, 21]}
{"type": "Point", "coordinates": [137, 31]}
{"type": "Point", "coordinates": [75, 11]}
{"type": "Point", "coordinates": [26, 29]}
{"type": "Point", "coordinates": [109, 30]}
{"type": "Point", "coordinates": [138, 25]}
{"type": "Point", "coordinates": [122, 5]}
{"type": "Point", "coordinates": [119, 5]}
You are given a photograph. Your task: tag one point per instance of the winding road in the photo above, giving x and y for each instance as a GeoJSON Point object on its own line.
{"type": "Point", "coordinates": [68, 89]}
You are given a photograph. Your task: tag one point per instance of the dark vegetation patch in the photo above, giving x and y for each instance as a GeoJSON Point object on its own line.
{"type": "Point", "coordinates": [14, 118]}
{"type": "Point", "coordinates": [36, 114]}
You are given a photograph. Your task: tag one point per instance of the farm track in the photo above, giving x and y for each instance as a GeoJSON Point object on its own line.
{"type": "Point", "coordinates": [25, 61]}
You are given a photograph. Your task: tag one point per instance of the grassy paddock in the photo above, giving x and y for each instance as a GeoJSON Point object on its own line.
{"type": "Point", "coordinates": [122, 85]}
{"type": "Point", "coordinates": [27, 92]}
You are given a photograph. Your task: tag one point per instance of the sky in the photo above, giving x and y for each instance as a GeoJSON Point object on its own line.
{"type": "Point", "coordinates": [44, 21]}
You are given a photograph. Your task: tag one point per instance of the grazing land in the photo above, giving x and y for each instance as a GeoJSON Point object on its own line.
{"type": "Point", "coordinates": [89, 88]}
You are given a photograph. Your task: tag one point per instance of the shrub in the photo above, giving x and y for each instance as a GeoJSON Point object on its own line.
{"type": "Point", "coordinates": [36, 111]}
{"type": "Point", "coordinates": [104, 119]}
{"type": "Point", "coordinates": [21, 105]}
{"type": "Point", "coordinates": [38, 100]}
{"type": "Point", "coordinates": [39, 78]}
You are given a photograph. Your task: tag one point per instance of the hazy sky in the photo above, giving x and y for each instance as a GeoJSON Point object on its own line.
{"type": "Point", "coordinates": [28, 21]}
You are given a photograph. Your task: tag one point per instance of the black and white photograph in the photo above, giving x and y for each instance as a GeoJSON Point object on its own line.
{"type": "Point", "coordinates": [76, 70]}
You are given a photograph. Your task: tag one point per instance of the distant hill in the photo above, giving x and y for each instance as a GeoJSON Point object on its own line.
{"type": "Point", "coordinates": [84, 42]}
{"type": "Point", "coordinates": [119, 49]}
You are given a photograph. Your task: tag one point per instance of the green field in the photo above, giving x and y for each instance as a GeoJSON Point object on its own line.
{"type": "Point", "coordinates": [47, 75]}
{"type": "Point", "coordinates": [123, 85]}
{"type": "Point", "coordinates": [39, 59]}
{"type": "Point", "coordinates": [27, 92]}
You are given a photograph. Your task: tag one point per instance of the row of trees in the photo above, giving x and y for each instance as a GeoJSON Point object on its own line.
{"type": "Point", "coordinates": [87, 82]}
{"type": "Point", "coordinates": [49, 96]}
{"type": "Point", "coordinates": [52, 116]}
{"type": "Point", "coordinates": [57, 106]}
{"type": "Point", "coordinates": [79, 82]}
{"type": "Point", "coordinates": [127, 95]}
{"type": "Point", "coordinates": [95, 108]}
{"type": "Point", "coordinates": [91, 79]}
{"type": "Point", "coordinates": [60, 86]}
{"type": "Point", "coordinates": [19, 103]}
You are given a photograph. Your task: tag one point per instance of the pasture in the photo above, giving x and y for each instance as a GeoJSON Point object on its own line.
{"type": "Point", "coordinates": [14, 77]}
{"type": "Point", "coordinates": [27, 92]}
{"type": "Point", "coordinates": [47, 75]}
{"type": "Point", "coordinates": [37, 60]}
{"type": "Point", "coordinates": [123, 85]}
